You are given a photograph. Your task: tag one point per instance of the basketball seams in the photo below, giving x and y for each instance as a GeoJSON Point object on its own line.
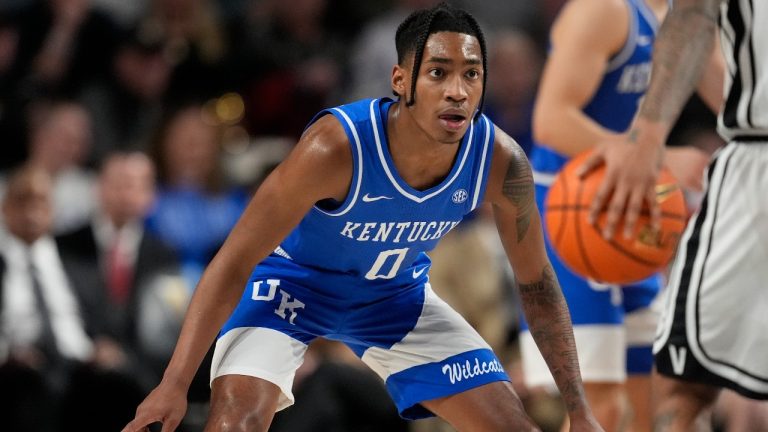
{"type": "Point", "coordinates": [579, 241]}
{"type": "Point", "coordinates": [644, 212]}
{"type": "Point", "coordinates": [561, 228]}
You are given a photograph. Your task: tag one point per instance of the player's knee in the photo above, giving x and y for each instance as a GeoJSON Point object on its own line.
{"type": "Point", "coordinates": [693, 395]}
{"type": "Point", "coordinates": [237, 421]}
{"type": "Point", "coordinates": [240, 403]}
{"type": "Point", "coordinates": [229, 414]}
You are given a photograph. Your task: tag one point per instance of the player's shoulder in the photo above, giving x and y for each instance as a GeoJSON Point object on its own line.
{"type": "Point", "coordinates": [325, 137]}
{"type": "Point", "coordinates": [594, 8]}
{"type": "Point", "coordinates": [505, 147]}
{"type": "Point", "coordinates": [600, 19]}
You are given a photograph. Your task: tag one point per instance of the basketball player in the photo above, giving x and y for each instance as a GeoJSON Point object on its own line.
{"type": "Point", "coordinates": [712, 333]}
{"type": "Point", "coordinates": [339, 232]}
{"type": "Point", "coordinates": [593, 79]}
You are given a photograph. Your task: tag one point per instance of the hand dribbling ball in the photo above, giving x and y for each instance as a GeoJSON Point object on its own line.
{"type": "Point", "coordinates": [581, 246]}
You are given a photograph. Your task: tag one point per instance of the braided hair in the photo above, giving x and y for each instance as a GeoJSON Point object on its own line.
{"type": "Point", "coordinates": [413, 32]}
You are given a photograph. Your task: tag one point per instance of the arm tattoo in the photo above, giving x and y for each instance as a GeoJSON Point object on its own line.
{"type": "Point", "coordinates": [682, 48]}
{"type": "Point", "coordinates": [518, 188]}
{"type": "Point", "coordinates": [550, 326]}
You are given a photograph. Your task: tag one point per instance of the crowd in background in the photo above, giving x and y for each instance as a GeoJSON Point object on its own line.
{"type": "Point", "coordinates": [132, 134]}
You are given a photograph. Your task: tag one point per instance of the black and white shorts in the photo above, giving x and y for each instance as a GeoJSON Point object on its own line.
{"type": "Point", "coordinates": [714, 327]}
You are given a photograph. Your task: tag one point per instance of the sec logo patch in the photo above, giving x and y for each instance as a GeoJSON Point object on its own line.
{"type": "Point", "coordinates": [459, 196]}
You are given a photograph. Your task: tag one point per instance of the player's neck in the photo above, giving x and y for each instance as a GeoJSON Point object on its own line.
{"type": "Point", "coordinates": [406, 136]}
{"type": "Point", "coordinates": [420, 160]}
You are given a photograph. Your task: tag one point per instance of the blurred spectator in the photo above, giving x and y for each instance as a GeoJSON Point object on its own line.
{"type": "Point", "coordinates": [195, 209]}
{"type": "Point", "coordinates": [194, 42]}
{"type": "Point", "coordinates": [134, 271]}
{"type": "Point", "coordinates": [124, 13]}
{"type": "Point", "coordinates": [58, 40]}
{"type": "Point", "coordinates": [519, 15]}
{"type": "Point", "coordinates": [127, 105]}
{"type": "Point", "coordinates": [59, 140]}
{"type": "Point", "coordinates": [12, 148]}
{"type": "Point", "coordinates": [291, 65]}
{"type": "Point", "coordinates": [373, 54]}
{"type": "Point", "coordinates": [46, 358]}
{"type": "Point", "coordinates": [41, 330]}
{"type": "Point", "coordinates": [516, 63]}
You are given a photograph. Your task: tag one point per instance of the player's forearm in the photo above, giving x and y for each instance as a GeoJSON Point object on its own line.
{"type": "Point", "coordinates": [680, 54]}
{"type": "Point", "coordinates": [550, 324]}
{"type": "Point", "coordinates": [566, 129]}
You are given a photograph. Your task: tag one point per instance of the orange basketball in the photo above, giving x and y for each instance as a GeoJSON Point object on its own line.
{"type": "Point", "coordinates": [581, 245]}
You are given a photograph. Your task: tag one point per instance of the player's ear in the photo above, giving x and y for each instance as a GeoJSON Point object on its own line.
{"type": "Point", "coordinates": [399, 78]}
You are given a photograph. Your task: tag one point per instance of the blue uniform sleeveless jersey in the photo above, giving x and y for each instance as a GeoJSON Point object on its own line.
{"type": "Point", "coordinates": [613, 106]}
{"type": "Point", "coordinates": [357, 272]}
{"type": "Point", "coordinates": [382, 229]}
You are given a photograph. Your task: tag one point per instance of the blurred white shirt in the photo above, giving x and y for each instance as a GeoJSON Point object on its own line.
{"type": "Point", "coordinates": [20, 321]}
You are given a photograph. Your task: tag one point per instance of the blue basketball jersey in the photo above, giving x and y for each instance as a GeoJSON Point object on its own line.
{"type": "Point", "coordinates": [384, 226]}
{"type": "Point", "coordinates": [624, 83]}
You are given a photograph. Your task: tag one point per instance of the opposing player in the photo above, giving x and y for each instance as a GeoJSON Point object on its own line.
{"type": "Point", "coordinates": [339, 232]}
{"type": "Point", "coordinates": [593, 79]}
{"type": "Point", "coordinates": [712, 332]}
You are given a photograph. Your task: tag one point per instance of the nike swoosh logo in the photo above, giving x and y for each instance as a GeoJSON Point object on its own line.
{"type": "Point", "coordinates": [368, 198]}
{"type": "Point", "coordinates": [417, 273]}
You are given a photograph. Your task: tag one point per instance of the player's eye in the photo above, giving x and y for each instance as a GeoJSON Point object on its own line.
{"type": "Point", "coordinates": [473, 74]}
{"type": "Point", "coordinates": [436, 73]}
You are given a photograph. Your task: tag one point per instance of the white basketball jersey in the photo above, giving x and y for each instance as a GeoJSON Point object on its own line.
{"type": "Point", "coordinates": [744, 37]}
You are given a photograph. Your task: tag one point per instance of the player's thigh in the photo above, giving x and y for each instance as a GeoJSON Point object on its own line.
{"type": "Point", "coordinates": [488, 408]}
{"type": "Point", "coordinates": [259, 352]}
{"type": "Point", "coordinates": [242, 403]}
{"type": "Point", "coordinates": [681, 405]}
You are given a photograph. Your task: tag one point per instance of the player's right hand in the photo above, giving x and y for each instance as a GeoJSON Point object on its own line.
{"type": "Point", "coordinates": [630, 177]}
{"type": "Point", "coordinates": [166, 404]}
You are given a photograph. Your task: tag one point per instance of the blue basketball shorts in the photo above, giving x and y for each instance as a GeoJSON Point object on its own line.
{"type": "Point", "coordinates": [412, 339]}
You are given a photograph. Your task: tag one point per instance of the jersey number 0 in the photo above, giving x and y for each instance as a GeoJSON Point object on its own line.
{"type": "Point", "coordinates": [392, 258]}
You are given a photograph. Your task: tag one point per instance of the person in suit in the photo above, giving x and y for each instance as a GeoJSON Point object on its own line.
{"type": "Point", "coordinates": [118, 269]}
{"type": "Point", "coordinates": [41, 331]}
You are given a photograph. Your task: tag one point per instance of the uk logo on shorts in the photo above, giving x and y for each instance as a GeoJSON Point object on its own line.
{"type": "Point", "coordinates": [286, 304]}
{"type": "Point", "coordinates": [460, 196]}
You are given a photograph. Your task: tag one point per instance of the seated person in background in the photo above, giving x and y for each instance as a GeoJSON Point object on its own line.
{"type": "Point", "coordinates": [60, 138]}
{"type": "Point", "coordinates": [126, 278]}
{"type": "Point", "coordinates": [45, 353]}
